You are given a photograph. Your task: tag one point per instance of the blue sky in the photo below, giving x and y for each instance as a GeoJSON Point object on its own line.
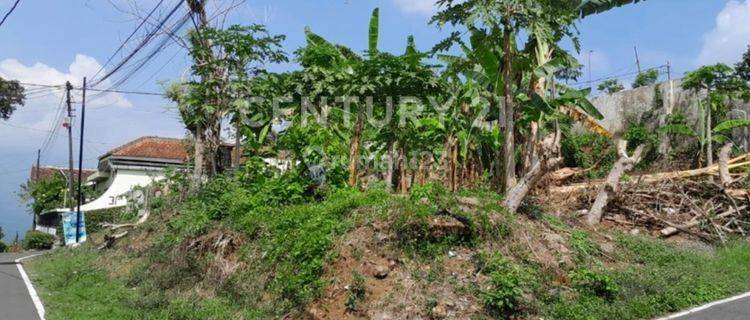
{"type": "Point", "coordinates": [50, 42]}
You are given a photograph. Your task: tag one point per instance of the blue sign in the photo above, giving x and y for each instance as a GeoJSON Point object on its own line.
{"type": "Point", "coordinates": [69, 220]}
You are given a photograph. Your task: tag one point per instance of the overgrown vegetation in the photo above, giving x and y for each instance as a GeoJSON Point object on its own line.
{"type": "Point", "coordinates": [35, 240]}
{"type": "Point", "coordinates": [363, 213]}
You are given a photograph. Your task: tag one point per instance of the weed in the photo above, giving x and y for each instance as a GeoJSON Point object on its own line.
{"type": "Point", "coordinates": [357, 291]}
{"type": "Point", "coordinates": [506, 285]}
{"type": "Point", "coordinates": [585, 248]}
{"type": "Point", "coordinates": [595, 283]}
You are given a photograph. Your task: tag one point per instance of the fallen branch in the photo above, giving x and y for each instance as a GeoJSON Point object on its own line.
{"type": "Point", "coordinates": [670, 231]}
{"type": "Point", "coordinates": [612, 184]}
{"type": "Point", "coordinates": [110, 240]}
{"type": "Point", "coordinates": [658, 177]}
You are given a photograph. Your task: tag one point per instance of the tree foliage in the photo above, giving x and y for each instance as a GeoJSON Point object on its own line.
{"type": "Point", "coordinates": [646, 78]}
{"type": "Point", "coordinates": [611, 86]}
{"type": "Point", "coordinates": [11, 96]}
{"type": "Point", "coordinates": [743, 67]}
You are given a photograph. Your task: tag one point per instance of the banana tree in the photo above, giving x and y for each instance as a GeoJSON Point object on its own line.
{"type": "Point", "coordinates": [720, 83]}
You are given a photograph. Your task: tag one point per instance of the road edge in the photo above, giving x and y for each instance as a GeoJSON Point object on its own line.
{"type": "Point", "coordinates": [30, 287]}
{"type": "Point", "coordinates": [705, 306]}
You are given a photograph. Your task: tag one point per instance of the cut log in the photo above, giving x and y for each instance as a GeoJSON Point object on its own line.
{"type": "Point", "coordinates": [612, 184]}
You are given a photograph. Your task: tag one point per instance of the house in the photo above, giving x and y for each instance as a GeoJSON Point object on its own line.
{"type": "Point", "coordinates": [137, 163]}
{"type": "Point", "coordinates": [121, 171]}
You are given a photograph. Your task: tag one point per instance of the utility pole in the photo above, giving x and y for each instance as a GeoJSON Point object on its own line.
{"type": "Point", "coordinates": [36, 179]}
{"type": "Point", "coordinates": [80, 163]}
{"type": "Point", "coordinates": [637, 60]}
{"type": "Point", "coordinates": [69, 126]}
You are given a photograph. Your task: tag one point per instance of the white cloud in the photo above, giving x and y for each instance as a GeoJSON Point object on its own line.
{"type": "Point", "coordinates": [40, 73]}
{"type": "Point", "coordinates": [426, 7]}
{"type": "Point", "coordinates": [730, 36]}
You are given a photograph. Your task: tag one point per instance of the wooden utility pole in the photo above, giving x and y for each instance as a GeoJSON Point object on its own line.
{"type": "Point", "coordinates": [69, 126]}
{"type": "Point", "coordinates": [637, 60]}
{"type": "Point", "coordinates": [80, 163]}
{"type": "Point", "coordinates": [36, 179]}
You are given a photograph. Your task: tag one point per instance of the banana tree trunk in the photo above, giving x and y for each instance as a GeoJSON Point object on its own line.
{"type": "Point", "coordinates": [354, 149]}
{"type": "Point", "coordinates": [403, 183]}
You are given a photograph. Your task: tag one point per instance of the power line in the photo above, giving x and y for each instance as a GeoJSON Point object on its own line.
{"type": "Point", "coordinates": [143, 21]}
{"type": "Point", "coordinates": [97, 90]}
{"type": "Point", "coordinates": [619, 76]}
{"type": "Point", "coordinates": [10, 11]}
{"type": "Point", "coordinates": [140, 46]}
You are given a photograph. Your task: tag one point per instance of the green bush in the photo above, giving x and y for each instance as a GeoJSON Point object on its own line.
{"type": "Point", "coordinates": [637, 135]}
{"type": "Point", "coordinates": [594, 283]}
{"type": "Point", "coordinates": [506, 280]}
{"type": "Point", "coordinates": [35, 240]}
{"type": "Point", "coordinates": [3, 246]}
{"type": "Point", "coordinates": [583, 246]}
{"type": "Point", "coordinates": [589, 151]}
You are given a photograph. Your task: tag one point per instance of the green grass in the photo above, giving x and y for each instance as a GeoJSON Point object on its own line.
{"type": "Point", "coordinates": [74, 284]}
{"type": "Point", "coordinates": [660, 279]}
{"type": "Point", "coordinates": [71, 286]}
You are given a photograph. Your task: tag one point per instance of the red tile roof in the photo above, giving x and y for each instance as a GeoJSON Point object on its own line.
{"type": "Point", "coordinates": [153, 148]}
{"type": "Point", "coordinates": [48, 171]}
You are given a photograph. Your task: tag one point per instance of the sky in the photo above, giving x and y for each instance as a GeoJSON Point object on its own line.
{"type": "Point", "coordinates": [50, 42]}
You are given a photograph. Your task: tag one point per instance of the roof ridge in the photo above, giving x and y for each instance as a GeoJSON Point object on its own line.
{"type": "Point", "coordinates": [135, 141]}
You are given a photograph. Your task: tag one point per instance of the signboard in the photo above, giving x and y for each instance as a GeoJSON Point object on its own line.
{"type": "Point", "coordinates": [69, 227]}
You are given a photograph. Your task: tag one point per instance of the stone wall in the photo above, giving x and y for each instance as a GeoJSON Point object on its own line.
{"type": "Point", "coordinates": [632, 106]}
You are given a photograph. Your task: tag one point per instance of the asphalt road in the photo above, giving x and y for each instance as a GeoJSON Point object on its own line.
{"type": "Point", "coordinates": [15, 301]}
{"type": "Point", "coordinates": [733, 310]}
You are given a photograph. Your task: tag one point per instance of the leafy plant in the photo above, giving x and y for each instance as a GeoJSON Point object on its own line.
{"type": "Point", "coordinates": [611, 86]}
{"type": "Point", "coordinates": [583, 246]}
{"type": "Point", "coordinates": [506, 280]}
{"type": "Point", "coordinates": [35, 240]}
{"type": "Point", "coordinates": [357, 291]}
{"type": "Point", "coordinates": [595, 283]}
{"type": "Point", "coordinates": [646, 78]}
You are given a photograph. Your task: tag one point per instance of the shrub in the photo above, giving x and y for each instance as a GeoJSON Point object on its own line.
{"type": "Point", "coordinates": [583, 246]}
{"type": "Point", "coordinates": [506, 282]}
{"type": "Point", "coordinates": [637, 135]}
{"type": "Point", "coordinates": [35, 240]}
{"type": "Point", "coordinates": [3, 246]}
{"type": "Point", "coordinates": [595, 283]}
{"type": "Point", "coordinates": [589, 150]}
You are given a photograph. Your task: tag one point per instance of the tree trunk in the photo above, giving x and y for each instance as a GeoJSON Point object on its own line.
{"type": "Point", "coordinates": [402, 182]}
{"type": "Point", "coordinates": [726, 178]}
{"type": "Point", "coordinates": [354, 149]}
{"type": "Point", "coordinates": [546, 160]}
{"type": "Point", "coordinates": [709, 137]}
{"type": "Point", "coordinates": [389, 169]}
{"type": "Point", "coordinates": [237, 144]}
{"type": "Point", "coordinates": [199, 155]}
{"type": "Point", "coordinates": [509, 158]}
{"type": "Point", "coordinates": [612, 184]}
